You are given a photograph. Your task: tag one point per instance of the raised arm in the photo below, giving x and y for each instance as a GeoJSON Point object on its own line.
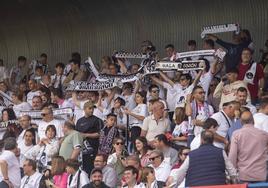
{"type": "Point", "coordinates": [157, 80]}
{"type": "Point", "coordinates": [165, 78]}
{"type": "Point", "coordinates": [196, 80]}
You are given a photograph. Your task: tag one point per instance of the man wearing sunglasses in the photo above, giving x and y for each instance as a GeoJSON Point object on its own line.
{"type": "Point", "coordinates": [48, 119]}
{"type": "Point", "coordinates": [162, 168]}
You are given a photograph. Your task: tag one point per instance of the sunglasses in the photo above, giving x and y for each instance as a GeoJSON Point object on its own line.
{"type": "Point", "coordinates": [44, 114]}
{"type": "Point", "coordinates": [119, 143]}
{"type": "Point", "coordinates": [185, 154]}
{"type": "Point", "coordinates": [153, 158]}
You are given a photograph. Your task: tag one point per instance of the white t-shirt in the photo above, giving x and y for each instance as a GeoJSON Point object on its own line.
{"type": "Point", "coordinates": [197, 142]}
{"type": "Point", "coordinates": [23, 149]}
{"type": "Point", "coordinates": [13, 168]}
{"type": "Point", "coordinates": [83, 180]}
{"type": "Point", "coordinates": [162, 171]}
{"type": "Point", "coordinates": [182, 94]}
{"type": "Point", "coordinates": [43, 125]}
{"type": "Point", "coordinates": [130, 101]}
{"type": "Point", "coordinates": [223, 125]}
{"type": "Point", "coordinates": [33, 181]}
{"type": "Point", "coordinates": [140, 109]}
{"type": "Point", "coordinates": [205, 80]}
{"type": "Point", "coordinates": [22, 106]}
{"type": "Point", "coordinates": [31, 94]}
{"type": "Point", "coordinates": [171, 94]}
{"type": "Point", "coordinates": [261, 121]}
{"type": "Point", "coordinates": [181, 129]}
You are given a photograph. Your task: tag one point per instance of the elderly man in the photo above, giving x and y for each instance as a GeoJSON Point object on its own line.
{"type": "Point", "coordinates": [161, 167]}
{"type": "Point", "coordinates": [248, 150]}
{"type": "Point", "coordinates": [156, 123]}
{"type": "Point", "coordinates": [72, 143]}
{"type": "Point", "coordinates": [32, 178]}
{"type": "Point", "coordinates": [201, 169]}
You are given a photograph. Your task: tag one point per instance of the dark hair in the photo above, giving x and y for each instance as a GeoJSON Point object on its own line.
{"type": "Point", "coordinates": [121, 101]}
{"type": "Point", "coordinates": [143, 95]}
{"type": "Point", "coordinates": [38, 68]}
{"type": "Point", "coordinates": [104, 157]}
{"type": "Point", "coordinates": [1, 62]}
{"type": "Point", "coordinates": [57, 92]}
{"type": "Point", "coordinates": [43, 55]}
{"type": "Point", "coordinates": [153, 86]}
{"type": "Point", "coordinates": [206, 63]}
{"type": "Point", "coordinates": [31, 163]}
{"type": "Point", "coordinates": [22, 58]}
{"type": "Point", "coordinates": [53, 128]}
{"type": "Point", "coordinates": [210, 43]}
{"type": "Point", "coordinates": [169, 46]}
{"type": "Point", "coordinates": [246, 31]}
{"type": "Point", "coordinates": [10, 112]}
{"type": "Point", "coordinates": [232, 70]}
{"type": "Point", "coordinates": [76, 56]}
{"type": "Point", "coordinates": [111, 115]}
{"type": "Point", "coordinates": [132, 169]}
{"type": "Point", "coordinates": [162, 138]}
{"type": "Point", "coordinates": [32, 131]}
{"type": "Point", "coordinates": [19, 95]}
{"type": "Point", "coordinates": [242, 89]}
{"type": "Point", "coordinates": [210, 122]}
{"type": "Point", "coordinates": [187, 76]}
{"type": "Point", "coordinates": [144, 141]}
{"type": "Point", "coordinates": [60, 64]}
{"type": "Point", "coordinates": [10, 143]}
{"type": "Point", "coordinates": [73, 163]}
{"type": "Point", "coordinates": [75, 61]}
{"type": "Point", "coordinates": [191, 43]}
{"type": "Point", "coordinates": [96, 170]}
{"type": "Point", "coordinates": [207, 136]}
{"type": "Point", "coordinates": [197, 87]}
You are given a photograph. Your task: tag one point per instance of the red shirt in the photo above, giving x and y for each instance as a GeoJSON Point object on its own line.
{"type": "Point", "coordinates": [253, 89]}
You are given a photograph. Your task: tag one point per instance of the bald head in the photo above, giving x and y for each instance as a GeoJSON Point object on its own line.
{"type": "Point", "coordinates": [247, 118]}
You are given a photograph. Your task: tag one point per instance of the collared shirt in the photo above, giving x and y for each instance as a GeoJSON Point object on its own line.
{"type": "Point", "coordinates": [248, 153]}
{"type": "Point", "coordinates": [32, 181]}
{"type": "Point", "coordinates": [13, 168]}
{"type": "Point", "coordinates": [224, 124]}
{"type": "Point", "coordinates": [162, 171]}
{"type": "Point", "coordinates": [154, 128]}
{"type": "Point", "coordinates": [179, 174]}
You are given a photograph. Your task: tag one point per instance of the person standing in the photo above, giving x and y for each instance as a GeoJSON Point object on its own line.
{"type": "Point", "coordinates": [9, 164]}
{"type": "Point", "coordinates": [89, 126]}
{"type": "Point", "coordinates": [248, 151]}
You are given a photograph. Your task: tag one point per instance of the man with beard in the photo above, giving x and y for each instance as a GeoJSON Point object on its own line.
{"type": "Point", "coordinates": [96, 180]}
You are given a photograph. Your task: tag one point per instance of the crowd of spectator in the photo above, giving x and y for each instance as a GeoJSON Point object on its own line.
{"type": "Point", "coordinates": [169, 129]}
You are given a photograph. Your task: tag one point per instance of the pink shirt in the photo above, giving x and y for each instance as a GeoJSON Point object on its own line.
{"type": "Point", "coordinates": [248, 153]}
{"type": "Point", "coordinates": [61, 180]}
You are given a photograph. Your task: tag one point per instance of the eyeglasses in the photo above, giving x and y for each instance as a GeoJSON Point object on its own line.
{"type": "Point", "coordinates": [153, 158]}
{"type": "Point", "coordinates": [120, 143]}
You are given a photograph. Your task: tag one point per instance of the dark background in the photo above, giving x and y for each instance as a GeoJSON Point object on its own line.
{"type": "Point", "coordinates": [97, 28]}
